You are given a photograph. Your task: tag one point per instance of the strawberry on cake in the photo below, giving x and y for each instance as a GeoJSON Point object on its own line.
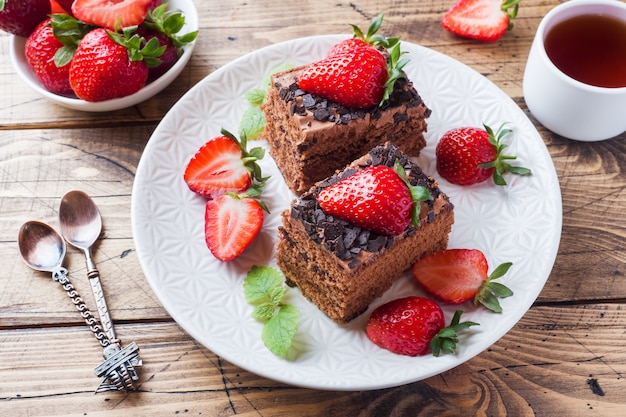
{"type": "Point", "coordinates": [347, 239]}
{"type": "Point", "coordinates": [321, 117]}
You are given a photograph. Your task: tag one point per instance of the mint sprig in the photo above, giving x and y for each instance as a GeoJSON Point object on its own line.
{"type": "Point", "coordinates": [253, 119]}
{"type": "Point", "coordinates": [264, 289]}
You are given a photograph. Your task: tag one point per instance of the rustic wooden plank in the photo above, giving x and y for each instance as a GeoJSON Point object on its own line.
{"type": "Point", "coordinates": [49, 372]}
{"type": "Point", "coordinates": [38, 167]}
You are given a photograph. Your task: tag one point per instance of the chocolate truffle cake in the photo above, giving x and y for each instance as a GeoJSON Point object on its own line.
{"type": "Point", "coordinates": [343, 268]}
{"type": "Point", "coordinates": [310, 137]}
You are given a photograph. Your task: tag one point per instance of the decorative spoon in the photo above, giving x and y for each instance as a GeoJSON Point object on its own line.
{"type": "Point", "coordinates": [43, 249]}
{"type": "Point", "coordinates": [81, 225]}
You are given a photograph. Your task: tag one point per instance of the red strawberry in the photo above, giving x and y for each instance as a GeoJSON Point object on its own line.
{"type": "Point", "coordinates": [102, 67]}
{"type": "Point", "coordinates": [412, 326]}
{"type": "Point", "coordinates": [354, 79]}
{"type": "Point", "coordinates": [458, 275]}
{"type": "Point", "coordinates": [165, 25]}
{"type": "Point", "coordinates": [40, 50]}
{"type": "Point", "coordinates": [231, 223]}
{"type": "Point", "coordinates": [21, 17]}
{"type": "Point", "coordinates": [483, 20]}
{"type": "Point", "coordinates": [223, 164]}
{"type": "Point", "coordinates": [377, 198]}
{"type": "Point", "coordinates": [355, 73]}
{"type": "Point", "coordinates": [61, 7]}
{"type": "Point", "coordinates": [111, 14]}
{"type": "Point", "coordinates": [469, 155]}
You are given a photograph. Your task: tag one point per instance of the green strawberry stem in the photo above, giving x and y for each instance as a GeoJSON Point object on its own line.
{"type": "Point", "coordinates": [447, 338]}
{"type": "Point", "coordinates": [169, 23]}
{"type": "Point", "coordinates": [249, 157]}
{"type": "Point", "coordinates": [512, 14]}
{"type": "Point", "coordinates": [418, 193]}
{"type": "Point", "coordinates": [490, 291]}
{"type": "Point", "coordinates": [149, 53]}
{"type": "Point", "coordinates": [499, 163]}
{"type": "Point", "coordinates": [392, 45]}
{"type": "Point", "coordinates": [69, 31]}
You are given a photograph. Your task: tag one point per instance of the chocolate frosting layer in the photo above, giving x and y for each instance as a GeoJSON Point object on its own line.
{"type": "Point", "coordinates": [347, 240]}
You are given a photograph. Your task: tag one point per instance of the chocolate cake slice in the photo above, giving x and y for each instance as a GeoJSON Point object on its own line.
{"type": "Point", "coordinates": [311, 137]}
{"type": "Point", "coordinates": [343, 268]}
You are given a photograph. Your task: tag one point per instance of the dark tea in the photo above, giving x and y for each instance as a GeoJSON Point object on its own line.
{"type": "Point", "coordinates": [590, 48]}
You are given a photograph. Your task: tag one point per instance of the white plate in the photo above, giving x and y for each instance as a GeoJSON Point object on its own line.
{"type": "Point", "coordinates": [28, 76]}
{"type": "Point", "coordinates": [520, 222]}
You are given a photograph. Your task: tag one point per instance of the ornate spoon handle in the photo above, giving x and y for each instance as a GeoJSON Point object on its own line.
{"type": "Point", "coordinates": [60, 276]}
{"type": "Point", "coordinates": [103, 309]}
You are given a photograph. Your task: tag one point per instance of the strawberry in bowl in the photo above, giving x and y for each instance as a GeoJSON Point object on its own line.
{"type": "Point", "coordinates": [92, 86]}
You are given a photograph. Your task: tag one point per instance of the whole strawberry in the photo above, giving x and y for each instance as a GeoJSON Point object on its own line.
{"type": "Point", "coordinates": [109, 65]}
{"type": "Point", "coordinates": [21, 17]}
{"type": "Point", "coordinates": [377, 198]}
{"type": "Point", "coordinates": [40, 50]}
{"type": "Point", "coordinates": [355, 73]}
{"type": "Point", "coordinates": [413, 326]}
{"type": "Point", "coordinates": [470, 155]}
{"type": "Point", "coordinates": [455, 276]}
{"type": "Point", "coordinates": [483, 20]}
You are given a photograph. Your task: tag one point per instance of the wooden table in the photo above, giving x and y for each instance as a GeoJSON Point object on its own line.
{"type": "Point", "coordinates": [566, 356]}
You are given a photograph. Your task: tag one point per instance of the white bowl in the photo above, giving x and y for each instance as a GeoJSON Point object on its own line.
{"type": "Point", "coordinates": [18, 58]}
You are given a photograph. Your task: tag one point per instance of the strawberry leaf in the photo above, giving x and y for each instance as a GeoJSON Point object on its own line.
{"type": "Point", "coordinates": [490, 291]}
{"type": "Point", "coordinates": [169, 23]}
{"type": "Point", "coordinates": [446, 339]}
{"type": "Point", "coordinates": [500, 161]}
{"type": "Point", "coordinates": [418, 193]}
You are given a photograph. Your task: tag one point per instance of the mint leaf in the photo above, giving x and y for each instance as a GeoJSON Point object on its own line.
{"type": "Point", "coordinates": [264, 288]}
{"type": "Point", "coordinates": [268, 77]}
{"type": "Point", "coordinates": [253, 119]}
{"type": "Point", "coordinates": [264, 311]}
{"type": "Point", "coordinates": [278, 331]}
{"type": "Point", "coordinates": [252, 123]}
{"type": "Point", "coordinates": [259, 282]}
{"type": "Point", "coordinates": [256, 96]}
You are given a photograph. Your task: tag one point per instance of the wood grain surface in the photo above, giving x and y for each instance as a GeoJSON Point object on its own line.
{"type": "Point", "coordinates": [565, 357]}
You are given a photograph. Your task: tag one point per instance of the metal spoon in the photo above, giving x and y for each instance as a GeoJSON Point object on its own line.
{"type": "Point", "coordinates": [43, 249]}
{"type": "Point", "coordinates": [81, 226]}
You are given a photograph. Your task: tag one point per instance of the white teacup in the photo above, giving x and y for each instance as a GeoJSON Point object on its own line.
{"type": "Point", "coordinates": [571, 108]}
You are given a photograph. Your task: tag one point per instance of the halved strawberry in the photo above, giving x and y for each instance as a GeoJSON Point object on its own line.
{"type": "Point", "coordinates": [61, 7]}
{"type": "Point", "coordinates": [377, 198]}
{"type": "Point", "coordinates": [223, 164]}
{"type": "Point", "coordinates": [111, 14]}
{"type": "Point", "coordinates": [483, 20]}
{"type": "Point", "coordinates": [231, 223]}
{"type": "Point", "coordinates": [458, 275]}
{"type": "Point", "coordinates": [413, 326]}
